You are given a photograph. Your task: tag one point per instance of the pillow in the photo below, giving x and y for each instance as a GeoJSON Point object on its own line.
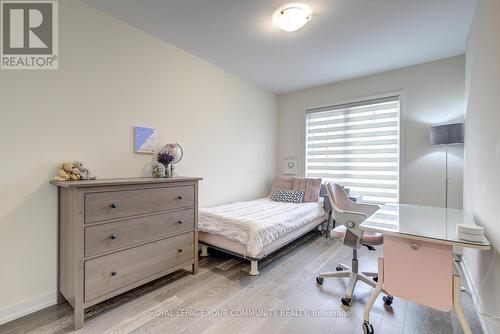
{"type": "Point", "coordinates": [281, 183]}
{"type": "Point", "coordinates": [289, 196]}
{"type": "Point", "coordinates": [310, 186]}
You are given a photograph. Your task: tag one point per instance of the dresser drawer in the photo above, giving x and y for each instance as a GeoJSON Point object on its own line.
{"type": "Point", "coordinates": [107, 237]}
{"type": "Point", "coordinates": [119, 204]}
{"type": "Point", "coordinates": [111, 272]}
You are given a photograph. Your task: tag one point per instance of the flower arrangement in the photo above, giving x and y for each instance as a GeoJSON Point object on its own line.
{"type": "Point", "coordinates": [165, 158]}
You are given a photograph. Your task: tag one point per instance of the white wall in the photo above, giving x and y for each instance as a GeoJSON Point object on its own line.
{"type": "Point", "coordinates": [113, 77]}
{"type": "Point", "coordinates": [433, 94]}
{"type": "Point", "coordinates": [482, 149]}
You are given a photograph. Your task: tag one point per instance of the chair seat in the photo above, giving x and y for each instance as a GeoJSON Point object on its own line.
{"type": "Point", "coordinates": [369, 238]}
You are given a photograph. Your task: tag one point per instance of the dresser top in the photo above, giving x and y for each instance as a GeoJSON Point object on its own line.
{"type": "Point", "coordinates": [122, 181]}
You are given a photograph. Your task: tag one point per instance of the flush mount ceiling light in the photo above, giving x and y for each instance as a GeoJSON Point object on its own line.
{"type": "Point", "coordinates": [292, 17]}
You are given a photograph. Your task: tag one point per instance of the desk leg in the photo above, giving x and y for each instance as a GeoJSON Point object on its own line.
{"type": "Point", "coordinates": [457, 303]}
{"type": "Point", "coordinates": [375, 292]}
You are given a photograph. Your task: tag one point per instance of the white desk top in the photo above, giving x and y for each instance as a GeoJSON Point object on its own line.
{"type": "Point", "coordinates": [422, 223]}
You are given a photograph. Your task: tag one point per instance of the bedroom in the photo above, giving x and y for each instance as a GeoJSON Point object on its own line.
{"type": "Point", "coordinates": [235, 91]}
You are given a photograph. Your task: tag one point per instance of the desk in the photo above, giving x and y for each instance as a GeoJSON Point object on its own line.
{"type": "Point", "coordinates": [418, 256]}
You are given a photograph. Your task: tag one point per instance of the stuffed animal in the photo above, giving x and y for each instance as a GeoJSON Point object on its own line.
{"type": "Point", "coordinates": [75, 174]}
{"type": "Point", "coordinates": [66, 172]}
{"type": "Point", "coordinates": [84, 172]}
{"type": "Point", "coordinates": [72, 171]}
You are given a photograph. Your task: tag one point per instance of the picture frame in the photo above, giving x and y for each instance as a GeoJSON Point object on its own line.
{"type": "Point", "coordinates": [145, 140]}
{"type": "Point", "coordinates": [290, 166]}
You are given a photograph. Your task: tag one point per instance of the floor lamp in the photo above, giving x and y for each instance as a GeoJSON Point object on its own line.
{"type": "Point", "coordinates": [444, 135]}
{"type": "Point", "coordinates": [449, 134]}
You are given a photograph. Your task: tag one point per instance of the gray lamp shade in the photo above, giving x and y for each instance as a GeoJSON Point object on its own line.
{"type": "Point", "coordinates": [447, 134]}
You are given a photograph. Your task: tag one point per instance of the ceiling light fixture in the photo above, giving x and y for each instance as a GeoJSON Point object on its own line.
{"type": "Point", "coordinates": [292, 17]}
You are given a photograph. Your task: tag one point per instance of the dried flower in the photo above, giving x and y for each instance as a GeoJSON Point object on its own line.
{"type": "Point", "coordinates": [165, 158]}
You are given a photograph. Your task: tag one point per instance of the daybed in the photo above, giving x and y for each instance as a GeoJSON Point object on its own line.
{"type": "Point", "coordinates": [255, 229]}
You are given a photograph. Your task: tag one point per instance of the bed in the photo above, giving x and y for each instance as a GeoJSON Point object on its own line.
{"type": "Point", "coordinates": [255, 229]}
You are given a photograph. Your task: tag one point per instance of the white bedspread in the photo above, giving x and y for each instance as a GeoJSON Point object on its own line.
{"type": "Point", "coordinates": [257, 223]}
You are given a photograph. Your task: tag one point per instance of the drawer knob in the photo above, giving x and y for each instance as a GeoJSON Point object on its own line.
{"type": "Point", "coordinates": [113, 273]}
{"type": "Point", "coordinates": [414, 246]}
{"type": "Point", "coordinates": [114, 236]}
{"type": "Point", "coordinates": [114, 205]}
{"type": "Point", "coordinates": [180, 250]}
{"type": "Point", "coordinates": [180, 222]}
{"type": "Point", "coordinates": [179, 197]}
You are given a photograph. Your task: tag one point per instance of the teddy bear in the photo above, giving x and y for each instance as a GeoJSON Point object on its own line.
{"type": "Point", "coordinates": [84, 172]}
{"type": "Point", "coordinates": [73, 171]}
{"type": "Point", "coordinates": [67, 172]}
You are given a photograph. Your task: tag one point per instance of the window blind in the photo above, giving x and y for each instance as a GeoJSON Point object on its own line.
{"type": "Point", "coordinates": [357, 146]}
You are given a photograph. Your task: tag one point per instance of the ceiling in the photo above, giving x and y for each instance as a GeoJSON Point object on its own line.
{"type": "Point", "coordinates": [344, 39]}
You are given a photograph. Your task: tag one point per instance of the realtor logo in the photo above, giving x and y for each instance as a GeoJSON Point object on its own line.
{"type": "Point", "coordinates": [29, 32]}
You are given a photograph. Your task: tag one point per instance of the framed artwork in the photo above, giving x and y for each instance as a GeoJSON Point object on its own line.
{"type": "Point", "coordinates": [145, 140]}
{"type": "Point", "coordinates": [290, 166]}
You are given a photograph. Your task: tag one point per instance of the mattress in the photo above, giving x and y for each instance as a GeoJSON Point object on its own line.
{"type": "Point", "coordinates": [257, 224]}
{"type": "Point", "coordinates": [235, 247]}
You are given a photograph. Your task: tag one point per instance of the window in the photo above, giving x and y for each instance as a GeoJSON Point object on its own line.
{"type": "Point", "coordinates": [357, 146]}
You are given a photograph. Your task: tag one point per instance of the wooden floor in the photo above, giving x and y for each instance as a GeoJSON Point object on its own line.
{"type": "Point", "coordinates": [182, 303]}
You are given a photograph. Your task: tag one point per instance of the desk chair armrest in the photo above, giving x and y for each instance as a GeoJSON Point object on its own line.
{"type": "Point", "coordinates": [366, 209]}
{"type": "Point", "coordinates": [356, 217]}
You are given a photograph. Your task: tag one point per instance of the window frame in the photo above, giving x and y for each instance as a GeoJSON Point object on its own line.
{"type": "Point", "coordinates": [336, 104]}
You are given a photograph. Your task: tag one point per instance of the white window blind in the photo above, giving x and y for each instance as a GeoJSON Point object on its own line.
{"type": "Point", "coordinates": [357, 146]}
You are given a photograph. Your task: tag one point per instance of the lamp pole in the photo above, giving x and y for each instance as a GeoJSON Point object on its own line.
{"type": "Point", "coordinates": [446, 177]}
{"type": "Point", "coordinates": [447, 134]}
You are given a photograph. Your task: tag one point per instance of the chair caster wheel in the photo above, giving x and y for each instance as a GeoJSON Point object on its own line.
{"type": "Point", "coordinates": [375, 278]}
{"type": "Point", "coordinates": [346, 301]}
{"type": "Point", "coordinates": [368, 328]}
{"type": "Point", "coordinates": [319, 280]}
{"type": "Point", "coordinates": [339, 268]}
{"type": "Point", "coordinates": [388, 300]}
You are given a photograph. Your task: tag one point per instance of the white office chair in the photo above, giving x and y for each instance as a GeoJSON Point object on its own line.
{"type": "Point", "coordinates": [349, 215]}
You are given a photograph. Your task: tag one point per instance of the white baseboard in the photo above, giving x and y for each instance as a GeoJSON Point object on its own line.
{"type": "Point", "coordinates": [28, 306]}
{"type": "Point", "coordinates": [473, 291]}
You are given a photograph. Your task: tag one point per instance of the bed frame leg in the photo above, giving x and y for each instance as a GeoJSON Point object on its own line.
{"type": "Point", "coordinates": [254, 265]}
{"type": "Point", "coordinates": [204, 250]}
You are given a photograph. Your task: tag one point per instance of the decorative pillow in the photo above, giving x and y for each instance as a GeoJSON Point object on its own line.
{"type": "Point", "coordinates": [281, 183]}
{"type": "Point", "coordinates": [289, 196]}
{"type": "Point", "coordinates": [311, 188]}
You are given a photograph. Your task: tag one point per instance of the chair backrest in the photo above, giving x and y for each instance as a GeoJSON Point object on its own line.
{"type": "Point", "coordinates": [342, 200]}
{"type": "Point", "coordinates": [343, 211]}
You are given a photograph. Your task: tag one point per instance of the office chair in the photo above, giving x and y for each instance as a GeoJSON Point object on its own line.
{"type": "Point", "coordinates": [349, 215]}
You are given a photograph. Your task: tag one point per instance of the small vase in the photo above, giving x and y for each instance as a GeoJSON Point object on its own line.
{"type": "Point", "coordinates": [173, 174]}
{"type": "Point", "coordinates": [162, 171]}
{"type": "Point", "coordinates": [168, 171]}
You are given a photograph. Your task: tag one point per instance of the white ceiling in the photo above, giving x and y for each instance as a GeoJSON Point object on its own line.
{"type": "Point", "coordinates": [343, 40]}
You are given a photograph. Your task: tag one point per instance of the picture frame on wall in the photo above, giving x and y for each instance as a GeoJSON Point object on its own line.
{"type": "Point", "coordinates": [290, 166]}
{"type": "Point", "coordinates": [145, 140]}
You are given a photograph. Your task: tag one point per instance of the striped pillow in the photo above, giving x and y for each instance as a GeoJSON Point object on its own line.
{"type": "Point", "coordinates": [289, 196]}
{"type": "Point", "coordinates": [311, 188]}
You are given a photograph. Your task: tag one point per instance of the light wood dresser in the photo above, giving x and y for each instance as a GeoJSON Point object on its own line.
{"type": "Point", "coordinates": [117, 234]}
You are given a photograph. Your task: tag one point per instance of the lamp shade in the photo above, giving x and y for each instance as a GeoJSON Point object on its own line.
{"type": "Point", "coordinates": [447, 134]}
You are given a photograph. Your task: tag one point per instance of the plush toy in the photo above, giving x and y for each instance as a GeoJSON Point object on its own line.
{"type": "Point", "coordinates": [72, 171]}
{"type": "Point", "coordinates": [66, 172]}
{"type": "Point", "coordinates": [75, 174]}
{"type": "Point", "coordinates": [84, 172]}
